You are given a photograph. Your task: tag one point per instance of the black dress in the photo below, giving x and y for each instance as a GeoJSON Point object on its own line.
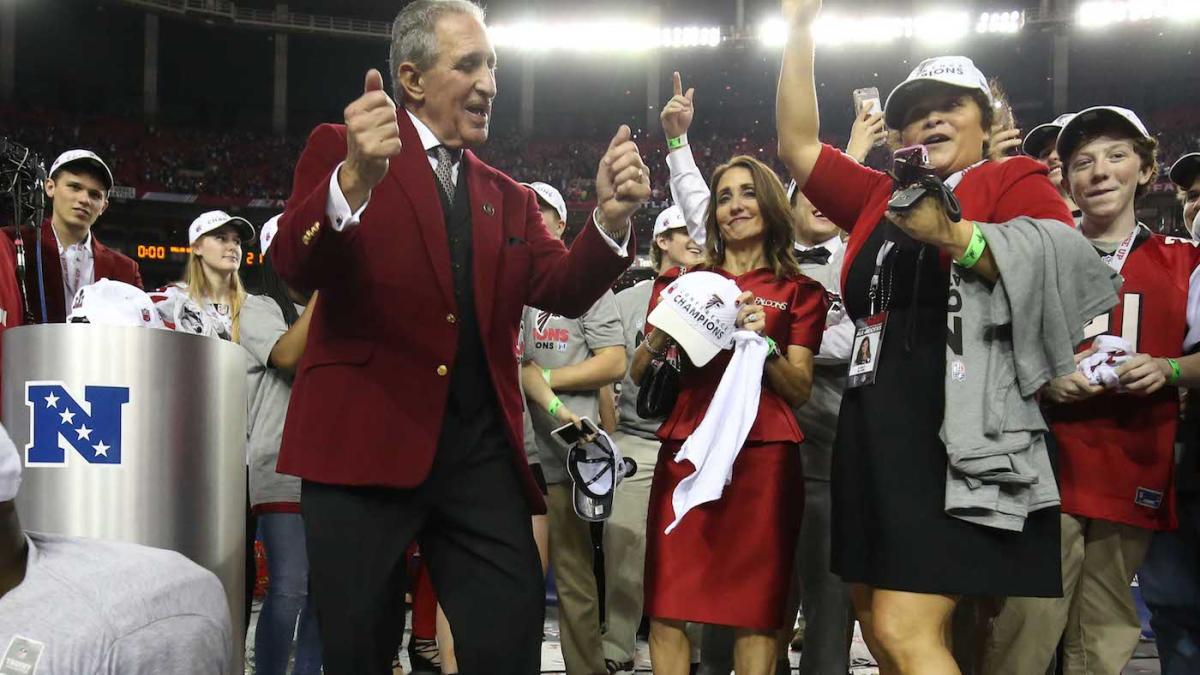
{"type": "Point", "coordinates": [890, 529]}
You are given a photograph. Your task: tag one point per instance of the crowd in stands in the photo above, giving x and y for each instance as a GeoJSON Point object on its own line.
{"type": "Point", "coordinates": [232, 163]}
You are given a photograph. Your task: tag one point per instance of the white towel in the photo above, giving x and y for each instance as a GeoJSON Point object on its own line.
{"type": "Point", "coordinates": [1101, 367]}
{"type": "Point", "coordinates": [714, 445]}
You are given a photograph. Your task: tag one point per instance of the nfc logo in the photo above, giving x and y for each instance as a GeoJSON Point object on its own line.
{"type": "Point", "coordinates": [59, 423]}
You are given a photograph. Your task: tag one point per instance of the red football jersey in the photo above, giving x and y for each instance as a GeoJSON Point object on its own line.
{"type": "Point", "coordinates": [1117, 450]}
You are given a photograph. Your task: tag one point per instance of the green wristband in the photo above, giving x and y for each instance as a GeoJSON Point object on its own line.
{"type": "Point", "coordinates": [1176, 371]}
{"type": "Point", "coordinates": [677, 142]}
{"type": "Point", "coordinates": [554, 405]}
{"type": "Point", "coordinates": [974, 249]}
{"type": "Point", "coordinates": [772, 349]}
{"type": "Point", "coordinates": [546, 375]}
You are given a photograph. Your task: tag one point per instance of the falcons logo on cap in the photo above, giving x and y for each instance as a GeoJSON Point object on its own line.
{"type": "Point", "coordinates": [543, 318]}
{"type": "Point", "coordinates": [714, 301]}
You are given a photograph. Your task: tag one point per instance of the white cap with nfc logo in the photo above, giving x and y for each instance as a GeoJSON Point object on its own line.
{"type": "Point", "coordinates": [210, 220]}
{"type": "Point", "coordinates": [84, 157]}
{"type": "Point", "coordinates": [955, 71]}
{"type": "Point", "coordinates": [671, 218]}
{"type": "Point", "coordinates": [699, 311]}
{"type": "Point", "coordinates": [1075, 129]}
{"type": "Point", "coordinates": [551, 196]}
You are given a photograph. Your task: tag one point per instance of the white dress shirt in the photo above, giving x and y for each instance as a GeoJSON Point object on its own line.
{"type": "Point", "coordinates": [78, 266]}
{"type": "Point", "coordinates": [342, 219]}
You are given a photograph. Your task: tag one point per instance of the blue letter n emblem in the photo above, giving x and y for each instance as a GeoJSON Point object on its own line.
{"type": "Point", "coordinates": [92, 428]}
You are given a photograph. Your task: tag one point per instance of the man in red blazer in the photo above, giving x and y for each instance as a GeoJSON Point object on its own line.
{"type": "Point", "coordinates": [71, 256]}
{"type": "Point", "coordinates": [405, 415]}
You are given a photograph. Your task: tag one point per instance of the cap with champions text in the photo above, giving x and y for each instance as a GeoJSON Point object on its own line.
{"type": "Point", "coordinates": [80, 156]}
{"type": "Point", "coordinates": [211, 220]}
{"type": "Point", "coordinates": [955, 71]}
{"type": "Point", "coordinates": [1097, 117]}
{"type": "Point", "coordinates": [699, 311]}
{"type": "Point", "coordinates": [549, 195]}
{"type": "Point", "coordinates": [671, 218]}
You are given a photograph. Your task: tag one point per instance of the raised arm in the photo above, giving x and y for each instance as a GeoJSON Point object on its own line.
{"type": "Point", "coordinates": [796, 97]}
{"type": "Point", "coordinates": [688, 187]}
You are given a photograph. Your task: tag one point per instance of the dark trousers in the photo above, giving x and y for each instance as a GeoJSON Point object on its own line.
{"type": "Point", "coordinates": [473, 525]}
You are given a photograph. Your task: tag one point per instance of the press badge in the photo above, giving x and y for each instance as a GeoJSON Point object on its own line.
{"type": "Point", "coordinates": [866, 349]}
{"type": "Point", "coordinates": [21, 657]}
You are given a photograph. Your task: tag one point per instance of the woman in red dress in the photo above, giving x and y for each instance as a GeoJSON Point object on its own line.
{"type": "Point", "coordinates": [729, 562]}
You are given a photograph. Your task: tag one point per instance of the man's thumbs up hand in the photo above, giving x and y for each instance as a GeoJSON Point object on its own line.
{"type": "Point", "coordinates": [372, 137]}
{"type": "Point", "coordinates": [622, 183]}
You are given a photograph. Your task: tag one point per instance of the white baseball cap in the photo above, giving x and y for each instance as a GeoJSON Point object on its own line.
{"type": "Point", "coordinates": [955, 71]}
{"type": "Point", "coordinates": [114, 303]}
{"type": "Point", "coordinates": [671, 218]}
{"type": "Point", "coordinates": [1085, 120]}
{"type": "Point", "coordinates": [210, 220]}
{"type": "Point", "coordinates": [596, 468]}
{"type": "Point", "coordinates": [10, 467]}
{"type": "Point", "coordinates": [552, 197]}
{"type": "Point", "coordinates": [1044, 135]}
{"type": "Point", "coordinates": [82, 156]}
{"type": "Point", "coordinates": [269, 230]}
{"type": "Point", "coordinates": [698, 310]}
{"type": "Point", "coordinates": [1185, 169]}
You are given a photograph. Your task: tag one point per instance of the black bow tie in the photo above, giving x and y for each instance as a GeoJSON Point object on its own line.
{"type": "Point", "coordinates": [817, 255]}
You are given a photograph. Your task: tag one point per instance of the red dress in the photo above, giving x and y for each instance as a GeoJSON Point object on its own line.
{"type": "Point", "coordinates": [729, 562]}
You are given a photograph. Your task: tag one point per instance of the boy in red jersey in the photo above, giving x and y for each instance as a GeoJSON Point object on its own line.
{"type": "Point", "coordinates": [1116, 442]}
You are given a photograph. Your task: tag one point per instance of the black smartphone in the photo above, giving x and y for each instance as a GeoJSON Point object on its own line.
{"type": "Point", "coordinates": [569, 434]}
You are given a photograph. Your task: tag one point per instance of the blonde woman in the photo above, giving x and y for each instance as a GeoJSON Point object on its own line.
{"type": "Point", "coordinates": [208, 301]}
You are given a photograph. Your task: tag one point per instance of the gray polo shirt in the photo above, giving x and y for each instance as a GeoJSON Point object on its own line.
{"type": "Point", "coordinates": [262, 324]}
{"type": "Point", "coordinates": [552, 341]}
{"type": "Point", "coordinates": [91, 606]}
{"type": "Point", "coordinates": [632, 304]}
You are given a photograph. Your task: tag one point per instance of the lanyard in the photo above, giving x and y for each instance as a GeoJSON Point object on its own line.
{"type": "Point", "coordinates": [873, 292]}
{"type": "Point", "coordinates": [1117, 260]}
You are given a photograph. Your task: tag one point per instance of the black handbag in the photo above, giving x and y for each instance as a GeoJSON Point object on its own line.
{"type": "Point", "coordinates": [659, 388]}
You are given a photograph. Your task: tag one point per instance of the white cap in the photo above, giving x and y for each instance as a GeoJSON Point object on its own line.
{"type": "Point", "coordinates": [269, 229]}
{"type": "Point", "coordinates": [1185, 169]}
{"type": "Point", "coordinates": [1044, 135]}
{"type": "Point", "coordinates": [114, 303]}
{"type": "Point", "coordinates": [698, 310]}
{"type": "Point", "coordinates": [10, 467]}
{"type": "Point", "coordinates": [551, 196]}
{"type": "Point", "coordinates": [72, 156]}
{"type": "Point", "coordinates": [956, 71]}
{"type": "Point", "coordinates": [596, 469]}
{"type": "Point", "coordinates": [1195, 232]}
{"type": "Point", "coordinates": [1073, 131]}
{"type": "Point", "coordinates": [210, 220]}
{"type": "Point", "coordinates": [671, 218]}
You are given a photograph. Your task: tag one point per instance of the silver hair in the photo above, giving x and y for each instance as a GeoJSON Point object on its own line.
{"type": "Point", "coordinates": [414, 37]}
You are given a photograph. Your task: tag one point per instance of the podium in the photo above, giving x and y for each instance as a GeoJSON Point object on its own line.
{"type": "Point", "coordinates": [135, 435]}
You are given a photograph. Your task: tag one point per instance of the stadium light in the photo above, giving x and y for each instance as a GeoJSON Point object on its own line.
{"type": "Point", "coordinates": [935, 27]}
{"type": "Point", "coordinates": [1000, 22]}
{"type": "Point", "coordinates": [600, 36]}
{"type": "Point", "coordinates": [1101, 13]}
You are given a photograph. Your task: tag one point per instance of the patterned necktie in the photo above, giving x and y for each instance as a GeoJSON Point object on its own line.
{"type": "Point", "coordinates": [817, 255]}
{"type": "Point", "coordinates": [443, 172]}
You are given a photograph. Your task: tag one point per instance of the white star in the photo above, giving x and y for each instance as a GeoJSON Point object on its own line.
{"type": "Point", "coordinates": [51, 401]}
{"type": "Point", "coordinates": [84, 433]}
{"type": "Point", "coordinates": [101, 449]}
{"type": "Point", "coordinates": [67, 416]}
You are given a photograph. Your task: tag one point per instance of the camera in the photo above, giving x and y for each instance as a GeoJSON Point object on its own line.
{"type": "Point", "coordinates": [913, 178]}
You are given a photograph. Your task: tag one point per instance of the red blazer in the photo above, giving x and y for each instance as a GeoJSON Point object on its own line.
{"type": "Point", "coordinates": [12, 312]}
{"type": "Point", "coordinates": [108, 264]}
{"type": "Point", "coordinates": [370, 392]}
